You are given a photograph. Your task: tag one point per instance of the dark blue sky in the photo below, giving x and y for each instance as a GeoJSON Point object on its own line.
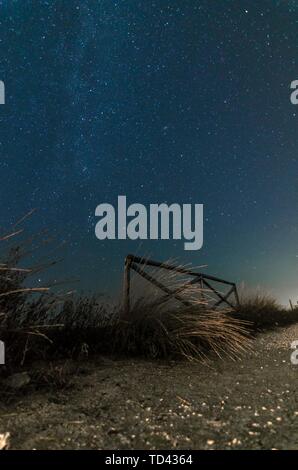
{"type": "Point", "coordinates": [163, 101]}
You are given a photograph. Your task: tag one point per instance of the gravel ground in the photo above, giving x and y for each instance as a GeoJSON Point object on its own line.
{"type": "Point", "coordinates": [134, 404]}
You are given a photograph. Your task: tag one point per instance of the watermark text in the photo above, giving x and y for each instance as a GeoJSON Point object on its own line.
{"type": "Point", "coordinates": [158, 221]}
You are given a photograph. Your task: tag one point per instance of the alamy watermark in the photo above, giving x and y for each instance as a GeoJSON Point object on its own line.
{"type": "Point", "coordinates": [2, 92]}
{"type": "Point", "coordinates": [2, 353]}
{"type": "Point", "coordinates": [159, 221]}
{"type": "Point", "coordinates": [294, 355]}
{"type": "Point", "coordinates": [294, 93]}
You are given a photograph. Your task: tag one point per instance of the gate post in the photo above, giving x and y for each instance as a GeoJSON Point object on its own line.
{"type": "Point", "coordinates": [126, 287]}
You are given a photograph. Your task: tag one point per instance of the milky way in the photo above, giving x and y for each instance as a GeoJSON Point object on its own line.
{"type": "Point", "coordinates": [162, 101]}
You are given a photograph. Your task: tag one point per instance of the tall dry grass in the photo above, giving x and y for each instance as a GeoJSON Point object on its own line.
{"type": "Point", "coordinates": [160, 326]}
{"type": "Point", "coordinates": [190, 333]}
{"type": "Point", "coordinates": [264, 312]}
{"type": "Point", "coordinates": [38, 323]}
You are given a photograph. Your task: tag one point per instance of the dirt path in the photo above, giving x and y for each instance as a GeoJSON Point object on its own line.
{"type": "Point", "coordinates": [252, 403]}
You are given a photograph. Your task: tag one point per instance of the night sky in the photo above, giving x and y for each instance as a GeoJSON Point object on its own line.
{"type": "Point", "coordinates": [162, 101]}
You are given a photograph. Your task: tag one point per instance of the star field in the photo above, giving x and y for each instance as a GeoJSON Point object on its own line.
{"type": "Point", "coordinates": [163, 101]}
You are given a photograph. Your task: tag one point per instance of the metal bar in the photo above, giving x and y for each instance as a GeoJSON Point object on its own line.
{"type": "Point", "coordinates": [216, 279]}
{"type": "Point", "coordinates": [237, 296]}
{"type": "Point", "coordinates": [181, 288]}
{"type": "Point", "coordinates": [225, 297]}
{"type": "Point", "coordinates": [126, 287]}
{"type": "Point", "coordinates": [158, 264]}
{"type": "Point", "coordinates": [170, 267]}
{"type": "Point", "coordinates": [187, 284]}
{"type": "Point", "coordinates": [158, 284]}
{"type": "Point", "coordinates": [217, 293]}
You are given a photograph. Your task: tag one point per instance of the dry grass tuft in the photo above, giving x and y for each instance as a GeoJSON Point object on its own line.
{"type": "Point", "coordinates": [264, 312]}
{"type": "Point", "coordinates": [161, 330]}
{"type": "Point", "coordinates": [35, 323]}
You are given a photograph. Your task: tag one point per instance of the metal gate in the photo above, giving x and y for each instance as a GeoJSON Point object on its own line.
{"type": "Point", "coordinates": [205, 281]}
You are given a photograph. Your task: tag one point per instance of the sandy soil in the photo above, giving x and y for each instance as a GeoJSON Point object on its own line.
{"type": "Point", "coordinates": [133, 404]}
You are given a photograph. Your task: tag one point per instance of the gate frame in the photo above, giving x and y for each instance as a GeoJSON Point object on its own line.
{"type": "Point", "coordinates": [132, 262]}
